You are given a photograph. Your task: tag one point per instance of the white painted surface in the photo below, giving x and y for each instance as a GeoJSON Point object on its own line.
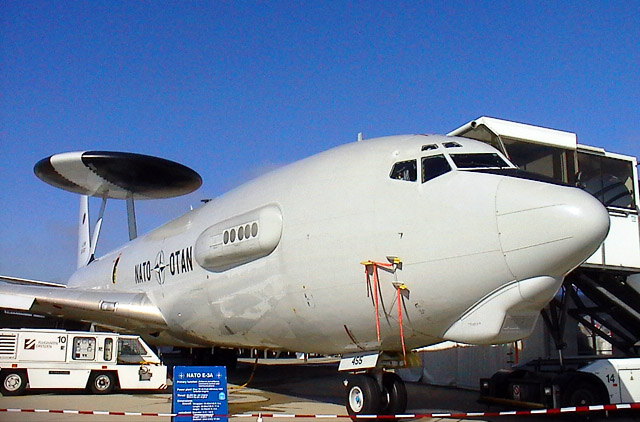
{"type": "Point", "coordinates": [622, 245]}
{"type": "Point", "coordinates": [524, 132]}
{"type": "Point", "coordinates": [620, 376]}
{"type": "Point", "coordinates": [461, 236]}
{"type": "Point", "coordinates": [358, 361]}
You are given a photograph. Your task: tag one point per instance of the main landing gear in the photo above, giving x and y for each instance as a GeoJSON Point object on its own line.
{"type": "Point", "coordinates": [372, 390]}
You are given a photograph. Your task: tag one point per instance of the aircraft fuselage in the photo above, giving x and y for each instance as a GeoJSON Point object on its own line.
{"type": "Point", "coordinates": [277, 262]}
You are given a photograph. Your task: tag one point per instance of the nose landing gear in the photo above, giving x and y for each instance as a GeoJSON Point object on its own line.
{"type": "Point", "coordinates": [394, 395]}
{"type": "Point", "coordinates": [375, 393]}
{"type": "Point", "coordinates": [363, 395]}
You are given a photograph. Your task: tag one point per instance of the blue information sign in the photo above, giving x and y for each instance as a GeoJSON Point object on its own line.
{"type": "Point", "coordinates": [200, 392]}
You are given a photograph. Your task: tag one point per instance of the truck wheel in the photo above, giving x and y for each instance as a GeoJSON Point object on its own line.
{"type": "Point", "coordinates": [13, 383]}
{"type": "Point", "coordinates": [582, 394]}
{"type": "Point", "coordinates": [363, 396]}
{"type": "Point", "coordinates": [102, 383]}
{"type": "Point", "coordinates": [394, 395]}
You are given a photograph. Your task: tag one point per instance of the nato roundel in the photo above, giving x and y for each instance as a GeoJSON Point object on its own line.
{"type": "Point", "coordinates": [118, 175]}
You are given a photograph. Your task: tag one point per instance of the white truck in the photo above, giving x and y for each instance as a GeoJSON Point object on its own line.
{"type": "Point", "coordinates": [59, 359]}
{"type": "Point", "coordinates": [578, 382]}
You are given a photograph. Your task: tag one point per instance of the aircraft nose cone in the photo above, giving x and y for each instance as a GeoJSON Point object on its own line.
{"type": "Point", "coordinates": [546, 229]}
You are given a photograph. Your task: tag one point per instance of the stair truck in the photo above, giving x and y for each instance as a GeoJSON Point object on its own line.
{"type": "Point", "coordinates": [602, 295]}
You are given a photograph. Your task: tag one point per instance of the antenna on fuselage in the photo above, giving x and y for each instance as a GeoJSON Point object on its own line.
{"type": "Point", "coordinates": [114, 175]}
{"type": "Point", "coordinates": [86, 243]}
{"type": "Point", "coordinates": [97, 228]}
{"type": "Point", "coordinates": [84, 239]}
{"type": "Point", "coordinates": [131, 218]}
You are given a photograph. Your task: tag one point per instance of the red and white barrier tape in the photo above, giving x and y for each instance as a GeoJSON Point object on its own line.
{"type": "Point", "coordinates": [580, 409]}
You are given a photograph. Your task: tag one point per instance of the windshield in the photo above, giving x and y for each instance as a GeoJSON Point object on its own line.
{"type": "Point", "coordinates": [489, 160]}
{"type": "Point", "coordinates": [434, 166]}
{"type": "Point", "coordinates": [130, 350]}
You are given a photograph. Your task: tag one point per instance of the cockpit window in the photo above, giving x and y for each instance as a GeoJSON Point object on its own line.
{"type": "Point", "coordinates": [451, 145]}
{"type": "Point", "coordinates": [405, 170]}
{"type": "Point", "coordinates": [429, 147]}
{"type": "Point", "coordinates": [469, 161]}
{"type": "Point", "coordinates": [434, 166]}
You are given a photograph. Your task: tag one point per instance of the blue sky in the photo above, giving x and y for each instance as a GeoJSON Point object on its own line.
{"type": "Point", "coordinates": [235, 88]}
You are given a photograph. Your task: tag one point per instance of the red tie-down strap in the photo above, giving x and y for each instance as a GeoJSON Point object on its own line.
{"type": "Point", "coordinates": [394, 264]}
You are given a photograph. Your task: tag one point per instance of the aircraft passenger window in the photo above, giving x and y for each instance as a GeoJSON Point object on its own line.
{"type": "Point", "coordinates": [433, 167]}
{"type": "Point", "coordinates": [405, 170]}
{"type": "Point", "coordinates": [84, 348]}
{"type": "Point", "coordinates": [467, 161]}
{"type": "Point", "coordinates": [608, 179]}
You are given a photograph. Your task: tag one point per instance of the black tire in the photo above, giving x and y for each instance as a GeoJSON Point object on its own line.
{"type": "Point", "coordinates": [14, 383]}
{"type": "Point", "coordinates": [363, 395]}
{"type": "Point", "coordinates": [581, 394]}
{"type": "Point", "coordinates": [102, 382]}
{"type": "Point", "coordinates": [394, 395]}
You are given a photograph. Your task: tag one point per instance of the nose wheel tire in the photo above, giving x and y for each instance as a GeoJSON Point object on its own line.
{"type": "Point", "coordinates": [363, 395]}
{"type": "Point", "coordinates": [394, 395]}
{"type": "Point", "coordinates": [13, 383]}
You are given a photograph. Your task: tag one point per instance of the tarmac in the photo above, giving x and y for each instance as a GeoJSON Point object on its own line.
{"type": "Point", "coordinates": [277, 387]}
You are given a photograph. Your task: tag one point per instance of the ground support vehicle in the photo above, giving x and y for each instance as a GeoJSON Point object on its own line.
{"type": "Point", "coordinates": [605, 289]}
{"type": "Point", "coordinates": [59, 359]}
{"type": "Point", "coordinates": [602, 295]}
{"type": "Point", "coordinates": [580, 382]}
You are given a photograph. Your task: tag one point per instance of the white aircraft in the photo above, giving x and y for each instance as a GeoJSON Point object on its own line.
{"type": "Point", "coordinates": [368, 250]}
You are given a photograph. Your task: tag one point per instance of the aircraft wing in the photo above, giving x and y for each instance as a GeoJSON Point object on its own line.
{"type": "Point", "coordinates": [16, 280]}
{"type": "Point", "coordinates": [127, 310]}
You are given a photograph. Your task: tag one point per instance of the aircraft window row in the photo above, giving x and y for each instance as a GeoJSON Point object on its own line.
{"type": "Point", "coordinates": [240, 233]}
{"type": "Point", "coordinates": [434, 166]}
{"type": "Point", "coordinates": [467, 161]}
{"type": "Point", "coordinates": [405, 170]}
